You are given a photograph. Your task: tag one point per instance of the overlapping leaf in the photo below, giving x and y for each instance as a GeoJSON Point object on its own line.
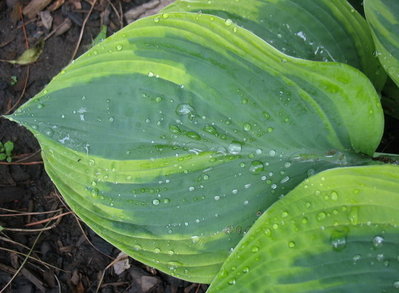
{"type": "Point", "coordinates": [335, 232]}
{"type": "Point", "coordinates": [383, 17]}
{"type": "Point", "coordinates": [320, 30]}
{"type": "Point", "coordinates": [171, 137]}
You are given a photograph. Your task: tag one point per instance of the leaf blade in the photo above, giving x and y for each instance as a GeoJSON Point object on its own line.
{"type": "Point", "coordinates": [131, 152]}
{"type": "Point", "coordinates": [382, 17]}
{"type": "Point", "coordinates": [321, 30]}
{"type": "Point", "coordinates": [330, 234]}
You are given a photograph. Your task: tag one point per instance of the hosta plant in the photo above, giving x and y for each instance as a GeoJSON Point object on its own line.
{"type": "Point", "coordinates": [187, 130]}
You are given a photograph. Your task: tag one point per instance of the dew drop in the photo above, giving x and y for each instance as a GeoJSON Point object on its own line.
{"type": "Point", "coordinates": [137, 247]}
{"type": "Point", "coordinates": [396, 284]}
{"type": "Point", "coordinates": [291, 244]}
{"type": "Point", "coordinates": [156, 19]}
{"type": "Point", "coordinates": [228, 22]}
{"type": "Point", "coordinates": [119, 47]}
{"type": "Point", "coordinates": [94, 192]}
{"type": "Point", "coordinates": [49, 132]}
{"type": "Point", "coordinates": [256, 167]}
{"type": "Point", "coordinates": [150, 74]}
{"type": "Point", "coordinates": [334, 195]}
{"type": "Point", "coordinates": [321, 216]}
{"type": "Point", "coordinates": [184, 109]}
{"type": "Point", "coordinates": [247, 126]}
{"type": "Point", "coordinates": [40, 106]}
{"type": "Point", "coordinates": [272, 153]}
{"type": "Point", "coordinates": [284, 214]}
{"type": "Point", "coordinates": [155, 202]}
{"type": "Point", "coordinates": [157, 250]}
{"type": "Point", "coordinates": [174, 129]}
{"type": "Point", "coordinates": [193, 135]}
{"type": "Point", "coordinates": [210, 129]}
{"type": "Point", "coordinates": [158, 99]}
{"type": "Point", "coordinates": [234, 148]}
{"type": "Point", "coordinates": [255, 249]}
{"type": "Point", "coordinates": [245, 270]}
{"type": "Point", "coordinates": [378, 241]}
{"type": "Point", "coordinates": [232, 282]}
{"type": "Point", "coordinates": [338, 239]}
{"type": "Point", "coordinates": [354, 215]}
{"type": "Point", "coordinates": [380, 257]}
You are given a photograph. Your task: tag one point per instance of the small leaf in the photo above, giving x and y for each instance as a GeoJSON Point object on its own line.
{"type": "Point", "coordinates": [101, 36]}
{"type": "Point", "coordinates": [335, 232]}
{"type": "Point", "coordinates": [8, 147]}
{"type": "Point", "coordinates": [2, 156]}
{"type": "Point", "coordinates": [29, 56]}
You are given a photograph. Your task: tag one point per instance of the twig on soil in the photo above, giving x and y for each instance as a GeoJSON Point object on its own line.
{"type": "Point", "coordinates": [33, 258]}
{"type": "Point", "coordinates": [22, 163]}
{"type": "Point", "coordinates": [34, 230]}
{"type": "Point", "coordinates": [24, 157]}
{"type": "Point", "coordinates": [22, 93]}
{"type": "Point", "coordinates": [88, 240]}
{"type": "Point", "coordinates": [13, 242]}
{"type": "Point", "coordinates": [5, 43]}
{"type": "Point", "coordinates": [58, 282]}
{"type": "Point", "coordinates": [121, 257]}
{"type": "Point", "coordinates": [24, 28]}
{"type": "Point", "coordinates": [120, 17]}
{"type": "Point", "coordinates": [48, 220]}
{"type": "Point", "coordinates": [18, 213]}
{"type": "Point", "coordinates": [23, 263]}
{"type": "Point", "coordinates": [198, 287]}
{"type": "Point", "coordinates": [80, 226]}
{"type": "Point", "coordinates": [82, 30]}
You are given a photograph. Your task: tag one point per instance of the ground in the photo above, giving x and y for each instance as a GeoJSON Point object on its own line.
{"type": "Point", "coordinates": [66, 256]}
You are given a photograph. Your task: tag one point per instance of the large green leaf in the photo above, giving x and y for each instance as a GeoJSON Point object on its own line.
{"type": "Point", "coordinates": [171, 137]}
{"type": "Point", "coordinates": [383, 18]}
{"type": "Point", "coordinates": [320, 30]}
{"type": "Point", "coordinates": [335, 232]}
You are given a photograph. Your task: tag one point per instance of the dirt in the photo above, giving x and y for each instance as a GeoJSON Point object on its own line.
{"type": "Point", "coordinates": [68, 257]}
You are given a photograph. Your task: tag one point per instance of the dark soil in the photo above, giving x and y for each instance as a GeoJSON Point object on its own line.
{"type": "Point", "coordinates": [73, 257]}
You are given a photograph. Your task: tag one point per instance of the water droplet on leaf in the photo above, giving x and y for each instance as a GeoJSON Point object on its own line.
{"type": "Point", "coordinates": [256, 167]}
